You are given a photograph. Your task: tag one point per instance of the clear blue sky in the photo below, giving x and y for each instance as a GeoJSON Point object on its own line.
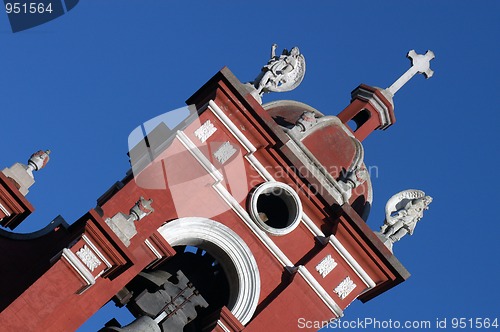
{"type": "Point", "coordinates": [80, 84]}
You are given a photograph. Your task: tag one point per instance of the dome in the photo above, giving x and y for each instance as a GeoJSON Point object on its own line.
{"type": "Point", "coordinates": [329, 144]}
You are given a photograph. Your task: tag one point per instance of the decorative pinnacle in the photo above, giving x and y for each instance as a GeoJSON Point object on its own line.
{"type": "Point", "coordinates": [141, 209]}
{"type": "Point", "coordinates": [420, 63]}
{"type": "Point", "coordinates": [38, 160]}
{"type": "Point", "coordinates": [22, 174]}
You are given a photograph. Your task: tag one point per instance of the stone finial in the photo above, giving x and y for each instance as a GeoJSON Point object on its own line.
{"type": "Point", "coordinates": [141, 209]}
{"type": "Point", "coordinates": [402, 212]}
{"type": "Point", "coordinates": [38, 160]}
{"type": "Point", "coordinates": [22, 175]}
{"type": "Point", "coordinates": [124, 225]}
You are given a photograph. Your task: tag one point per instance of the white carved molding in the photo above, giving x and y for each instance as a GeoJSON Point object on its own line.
{"type": "Point", "coordinates": [224, 152]}
{"type": "Point", "coordinates": [206, 130]}
{"type": "Point", "coordinates": [88, 258]}
{"type": "Point", "coordinates": [96, 251]}
{"type": "Point", "coordinates": [345, 288]}
{"type": "Point", "coordinates": [326, 266]}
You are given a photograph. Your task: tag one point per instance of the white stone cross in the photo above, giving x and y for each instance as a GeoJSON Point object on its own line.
{"type": "Point", "coordinates": [420, 63]}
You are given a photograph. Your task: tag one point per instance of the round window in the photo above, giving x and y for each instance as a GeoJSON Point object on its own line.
{"type": "Point", "coordinates": [276, 208]}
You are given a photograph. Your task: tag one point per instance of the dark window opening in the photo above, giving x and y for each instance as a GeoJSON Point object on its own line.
{"type": "Point", "coordinates": [273, 210]}
{"type": "Point", "coordinates": [359, 119]}
{"type": "Point", "coordinates": [277, 207]}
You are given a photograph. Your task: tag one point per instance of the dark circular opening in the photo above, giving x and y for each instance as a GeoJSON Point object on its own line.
{"type": "Point", "coordinates": [277, 208]}
{"type": "Point", "coordinates": [273, 211]}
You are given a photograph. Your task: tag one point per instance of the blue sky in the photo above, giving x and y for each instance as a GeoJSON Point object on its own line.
{"type": "Point", "coordinates": [80, 84]}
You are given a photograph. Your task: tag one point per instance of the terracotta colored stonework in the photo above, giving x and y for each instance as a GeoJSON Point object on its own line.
{"type": "Point", "coordinates": [329, 257]}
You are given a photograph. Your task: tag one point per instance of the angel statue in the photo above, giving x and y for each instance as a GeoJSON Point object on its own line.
{"type": "Point", "coordinates": [402, 212]}
{"type": "Point", "coordinates": [282, 73]}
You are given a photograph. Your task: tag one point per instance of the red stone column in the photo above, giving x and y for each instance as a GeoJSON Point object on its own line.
{"type": "Point", "coordinates": [14, 207]}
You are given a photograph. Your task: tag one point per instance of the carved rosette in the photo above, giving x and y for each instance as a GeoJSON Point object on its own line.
{"type": "Point", "coordinates": [345, 288]}
{"type": "Point", "coordinates": [224, 152]}
{"type": "Point", "coordinates": [206, 130]}
{"type": "Point", "coordinates": [326, 266]}
{"type": "Point", "coordinates": [88, 258]}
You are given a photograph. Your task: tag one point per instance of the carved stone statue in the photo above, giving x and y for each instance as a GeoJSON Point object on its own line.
{"type": "Point", "coordinates": [282, 73]}
{"type": "Point", "coordinates": [403, 211]}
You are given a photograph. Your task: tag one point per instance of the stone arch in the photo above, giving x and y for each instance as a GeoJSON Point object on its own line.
{"type": "Point", "coordinates": [231, 252]}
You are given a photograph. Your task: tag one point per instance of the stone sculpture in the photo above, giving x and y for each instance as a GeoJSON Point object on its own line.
{"type": "Point", "coordinates": [282, 73]}
{"type": "Point", "coordinates": [403, 211]}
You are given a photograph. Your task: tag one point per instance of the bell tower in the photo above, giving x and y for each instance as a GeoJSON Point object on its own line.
{"type": "Point", "coordinates": [372, 108]}
{"type": "Point", "coordinates": [241, 217]}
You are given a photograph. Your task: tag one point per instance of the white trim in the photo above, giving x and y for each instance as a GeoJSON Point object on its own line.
{"type": "Point", "coordinates": [233, 129]}
{"type": "Point", "coordinates": [342, 251]}
{"type": "Point", "coordinates": [377, 103]}
{"type": "Point", "coordinates": [5, 211]}
{"type": "Point", "coordinates": [351, 261]}
{"type": "Point", "coordinates": [226, 121]}
{"type": "Point", "coordinates": [199, 156]}
{"type": "Point", "coordinates": [320, 291]}
{"type": "Point", "coordinates": [222, 326]}
{"type": "Point", "coordinates": [153, 249]}
{"type": "Point", "coordinates": [230, 250]}
{"type": "Point", "coordinates": [81, 269]}
{"type": "Point", "coordinates": [311, 226]}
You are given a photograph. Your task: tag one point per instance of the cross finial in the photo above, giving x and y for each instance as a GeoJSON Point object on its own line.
{"type": "Point", "coordinates": [420, 63]}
